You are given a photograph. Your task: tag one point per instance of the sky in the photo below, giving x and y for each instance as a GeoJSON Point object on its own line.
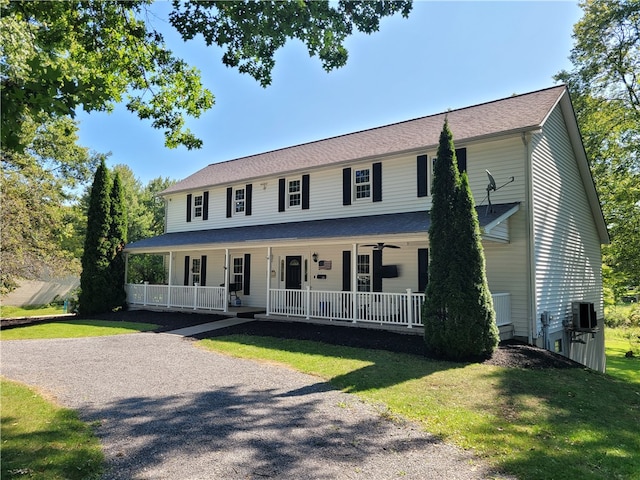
{"type": "Point", "coordinates": [446, 55]}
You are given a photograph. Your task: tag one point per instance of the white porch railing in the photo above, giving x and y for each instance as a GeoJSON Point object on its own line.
{"type": "Point", "coordinates": [195, 297]}
{"type": "Point", "coordinates": [401, 309]}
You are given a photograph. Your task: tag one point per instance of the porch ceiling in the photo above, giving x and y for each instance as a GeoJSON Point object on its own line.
{"type": "Point", "coordinates": [347, 228]}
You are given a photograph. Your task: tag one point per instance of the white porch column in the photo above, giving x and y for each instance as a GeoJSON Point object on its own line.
{"type": "Point", "coordinates": [126, 267]}
{"type": "Point", "coordinates": [226, 280]}
{"type": "Point", "coordinates": [268, 306]}
{"type": "Point", "coordinates": [354, 283]}
{"type": "Point", "coordinates": [169, 279]}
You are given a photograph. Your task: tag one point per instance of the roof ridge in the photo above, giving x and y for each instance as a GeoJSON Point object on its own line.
{"type": "Point", "coordinates": [386, 125]}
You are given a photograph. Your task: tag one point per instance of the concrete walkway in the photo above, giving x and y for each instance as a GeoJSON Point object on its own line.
{"type": "Point", "coordinates": [208, 327]}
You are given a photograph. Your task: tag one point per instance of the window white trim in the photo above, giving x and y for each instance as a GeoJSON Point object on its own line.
{"type": "Point", "coordinates": [363, 269]}
{"type": "Point", "coordinates": [239, 201]}
{"type": "Point", "coordinates": [293, 193]}
{"type": "Point", "coordinates": [198, 203]}
{"type": "Point", "coordinates": [362, 184]}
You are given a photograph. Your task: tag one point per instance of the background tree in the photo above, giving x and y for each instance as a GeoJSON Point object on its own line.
{"type": "Point", "coordinates": [39, 223]}
{"type": "Point", "coordinates": [605, 90]}
{"type": "Point", "coordinates": [96, 258]}
{"type": "Point", "coordinates": [458, 315]}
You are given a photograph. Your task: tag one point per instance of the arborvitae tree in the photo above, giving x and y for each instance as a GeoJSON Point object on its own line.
{"type": "Point", "coordinates": [458, 315]}
{"type": "Point", "coordinates": [96, 258]}
{"type": "Point", "coordinates": [118, 239]}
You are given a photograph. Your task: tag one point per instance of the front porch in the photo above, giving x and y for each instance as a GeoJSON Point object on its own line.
{"type": "Point", "coordinates": [394, 311]}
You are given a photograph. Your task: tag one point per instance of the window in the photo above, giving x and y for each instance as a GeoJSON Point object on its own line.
{"type": "Point", "coordinates": [197, 206]}
{"type": "Point", "coordinates": [363, 183]}
{"type": "Point", "coordinates": [364, 273]}
{"type": "Point", "coordinates": [195, 270]}
{"type": "Point", "coordinates": [239, 198]}
{"type": "Point", "coordinates": [238, 273]}
{"type": "Point", "coordinates": [294, 193]}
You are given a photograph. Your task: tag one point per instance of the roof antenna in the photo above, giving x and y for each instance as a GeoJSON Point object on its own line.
{"type": "Point", "coordinates": [492, 187]}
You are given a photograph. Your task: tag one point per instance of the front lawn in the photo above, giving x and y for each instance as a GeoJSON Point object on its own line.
{"type": "Point", "coordinates": [549, 424]}
{"type": "Point", "coordinates": [41, 440]}
{"type": "Point", "coordinates": [74, 329]}
{"type": "Point", "coordinates": [9, 311]}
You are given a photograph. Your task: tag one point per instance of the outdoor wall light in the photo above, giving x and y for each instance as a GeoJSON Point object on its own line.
{"type": "Point", "coordinates": [315, 257]}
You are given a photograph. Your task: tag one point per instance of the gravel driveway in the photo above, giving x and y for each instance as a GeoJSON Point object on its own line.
{"type": "Point", "coordinates": [166, 409]}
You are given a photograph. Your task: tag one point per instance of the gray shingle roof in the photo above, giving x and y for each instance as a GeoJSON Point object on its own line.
{"type": "Point", "coordinates": [514, 114]}
{"type": "Point", "coordinates": [370, 226]}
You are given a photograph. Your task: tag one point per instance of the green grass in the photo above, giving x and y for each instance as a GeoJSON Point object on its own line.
{"type": "Point", "coordinates": [617, 344]}
{"type": "Point", "coordinates": [74, 329]}
{"type": "Point", "coordinates": [550, 424]}
{"type": "Point", "coordinates": [9, 311]}
{"type": "Point", "coordinates": [41, 440]}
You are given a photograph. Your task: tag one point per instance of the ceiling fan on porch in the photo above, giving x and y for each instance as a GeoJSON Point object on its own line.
{"type": "Point", "coordinates": [380, 245]}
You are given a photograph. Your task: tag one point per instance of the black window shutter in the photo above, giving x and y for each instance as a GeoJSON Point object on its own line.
{"type": "Point", "coordinates": [377, 271]}
{"type": "Point", "coordinates": [281, 194]}
{"type": "Point", "coordinates": [305, 192]}
{"type": "Point", "coordinates": [187, 267]}
{"type": "Point", "coordinates": [247, 274]}
{"type": "Point", "coordinates": [189, 202]}
{"type": "Point", "coordinates": [423, 269]}
{"type": "Point", "coordinates": [203, 271]}
{"type": "Point", "coordinates": [461, 155]}
{"type": "Point", "coordinates": [346, 270]}
{"type": "Point", "coordinates": [248, 191]}
{"type": "Point", "coordinates": [422, 175]}
{"type": "Point", "coordinates": [229, 201]}
{"type": "Point", "coordinates": [346, 186]}
{"type": "Point", "coordinates": [205, 206]}
{"type": "Point", "coordinates": [377, 182]}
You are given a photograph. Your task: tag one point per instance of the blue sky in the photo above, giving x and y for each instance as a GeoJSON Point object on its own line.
{"type": "Point", "coordinates": [446, 55]}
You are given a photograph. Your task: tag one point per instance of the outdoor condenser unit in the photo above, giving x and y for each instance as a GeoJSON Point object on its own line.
{"type": "Point", "coordinates": [584, 316]}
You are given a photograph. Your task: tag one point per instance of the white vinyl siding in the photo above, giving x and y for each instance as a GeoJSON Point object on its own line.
{"type": "Point", "coordinates": [502, 158]}
{"type": "Point", "coordinates": [566, 244]}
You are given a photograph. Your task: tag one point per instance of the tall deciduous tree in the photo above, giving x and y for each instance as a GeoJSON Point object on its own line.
{"type": "Point", "coordinates": [458, 315]}
{"type": "Point", "coordinates": [605, 89]}
{"type": "Point", "coordinates": [59, 56]}
{"type": "Point", "coordinates": [96, 258]}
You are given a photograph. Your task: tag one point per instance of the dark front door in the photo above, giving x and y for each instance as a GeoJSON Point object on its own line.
{"type": "Point", "coordinates": [294, 272]}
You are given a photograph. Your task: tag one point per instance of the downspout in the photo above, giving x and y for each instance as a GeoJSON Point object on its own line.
{"type": "Point", "coordinates": [531, 280]}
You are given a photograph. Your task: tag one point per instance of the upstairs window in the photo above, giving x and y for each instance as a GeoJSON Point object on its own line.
{"type": "Point", "coordinates": [197, 206]}
{"type": "Point", "coordinates": [294, 193]}
{"type": "Point", "coordinates": [239, 200]}
{"type": "Point", "coordinates": [362, 183]}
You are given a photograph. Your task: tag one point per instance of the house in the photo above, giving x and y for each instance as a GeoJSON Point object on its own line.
{"type": "Point", "coordinates": [336, 230]}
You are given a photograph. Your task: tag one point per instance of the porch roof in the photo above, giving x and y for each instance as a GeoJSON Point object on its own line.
{"type": "Point", "coordinates": [350, 227]}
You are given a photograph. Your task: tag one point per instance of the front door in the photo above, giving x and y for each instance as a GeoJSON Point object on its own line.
{"type": "Point", "coordinates": [293, 272]}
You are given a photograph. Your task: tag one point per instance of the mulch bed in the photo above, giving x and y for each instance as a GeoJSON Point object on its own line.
{"type": "Point", "coordinates": [509, 354]}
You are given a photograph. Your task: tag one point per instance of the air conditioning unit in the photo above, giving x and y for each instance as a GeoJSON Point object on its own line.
{"type": "Point", "coordinates": [583, 316]}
